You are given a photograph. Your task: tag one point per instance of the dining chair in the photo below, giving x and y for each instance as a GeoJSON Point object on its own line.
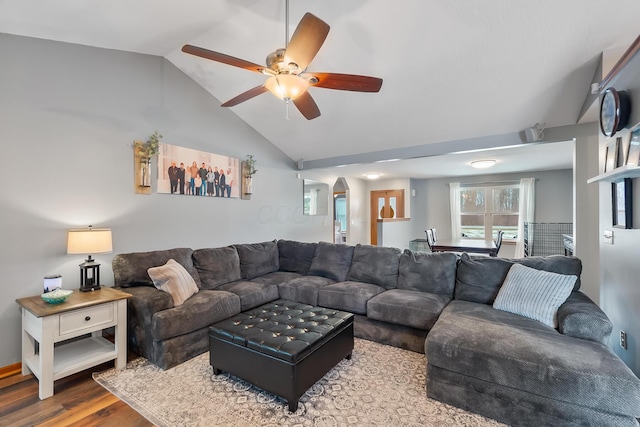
{"type": "Point", "coordinates": [430, 239]}
{"type": "Point", "coordinates": [499, 241]}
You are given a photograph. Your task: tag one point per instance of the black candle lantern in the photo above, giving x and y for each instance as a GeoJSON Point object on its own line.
{"type": "Point", "coordinates": [89, 241]}
{"type": "Point", "coordinates": [89, 275]}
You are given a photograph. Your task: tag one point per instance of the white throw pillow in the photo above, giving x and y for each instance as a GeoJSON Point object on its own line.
{"type": "Point", "coordinates": [175, 280]}
{"type": "Point", "coordinates": [536, 294]}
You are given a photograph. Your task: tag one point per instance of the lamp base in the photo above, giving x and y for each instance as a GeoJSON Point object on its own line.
{"type": "Point", "coordinates": [89, 275]}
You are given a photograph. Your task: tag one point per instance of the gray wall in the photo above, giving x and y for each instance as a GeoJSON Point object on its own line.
{"type": "Point", "coordinates": [430, 207]}
{"type": "Point", "coordinates": [619, 266]}
{"type": "Point", "coordinates": [556, 201]}
{"type": "Point", "coordinates": [585, 210]}
{"type": "Point", "coordinates": [68, 116]}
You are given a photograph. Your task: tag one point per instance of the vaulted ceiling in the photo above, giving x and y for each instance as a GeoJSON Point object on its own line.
{"type": "Point", "coordinates": [452, 70]}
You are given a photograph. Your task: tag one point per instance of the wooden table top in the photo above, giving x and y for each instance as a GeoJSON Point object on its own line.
{"type": "Point", "coordinates": [76, 300]}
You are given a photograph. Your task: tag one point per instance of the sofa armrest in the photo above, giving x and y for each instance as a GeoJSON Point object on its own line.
{"type": "Point", "coordinates": [144, 303]}
{"type": "Point", "coordinates": [147, 300]}
{"type": "Point", "coordinates": [580, 317]}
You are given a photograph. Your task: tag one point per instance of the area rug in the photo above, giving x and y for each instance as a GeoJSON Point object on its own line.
{"type": "Point", "coordinates": [380, 385]}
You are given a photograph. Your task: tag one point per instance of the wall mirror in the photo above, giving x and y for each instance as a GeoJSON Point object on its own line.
{"type": "Point", "coordinates": [316, 198]}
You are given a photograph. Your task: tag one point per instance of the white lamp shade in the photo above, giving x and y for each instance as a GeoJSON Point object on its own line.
{"type": "Point", "coordinates": [287, 86]}
{"type": "Point", "coordinates": [89, 241]}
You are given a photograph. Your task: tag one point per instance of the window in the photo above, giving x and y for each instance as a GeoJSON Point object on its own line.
{"type": "Point", "coordinates": [485, 210]}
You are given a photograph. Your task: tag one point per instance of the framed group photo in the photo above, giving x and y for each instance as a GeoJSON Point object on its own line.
{"type": "Point", "coordinates": [185, 171]}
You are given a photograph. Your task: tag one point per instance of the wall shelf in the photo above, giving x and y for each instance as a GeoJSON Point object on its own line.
{"type": "Point", "coordinates": [617, 174]}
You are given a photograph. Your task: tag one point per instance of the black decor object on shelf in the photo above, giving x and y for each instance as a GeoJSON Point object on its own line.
{"type": "Point", "coordinates": [622, 203]}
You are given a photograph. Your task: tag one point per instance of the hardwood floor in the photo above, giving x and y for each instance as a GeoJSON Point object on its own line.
{"type": "Point", "coordinates": [78, 401]}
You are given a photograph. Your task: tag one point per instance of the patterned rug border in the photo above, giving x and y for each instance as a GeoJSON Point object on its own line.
{"type": "Point", "coordinates": [380, 385]}
{"type": "Point", "coordinates": [98, 377]}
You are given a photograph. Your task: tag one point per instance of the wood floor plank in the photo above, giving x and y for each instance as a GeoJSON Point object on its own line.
{"type": "Point", "coordinates": [79, 412]}
{"type": "Point", "coordinates": [18, 395]}
{"type": "Point", "coordinates": [32, 415]}
{"type": "Point", "coordinates": [14, 379]}
{"type": "Point", "coordinates": [71, 403]}
{"type": "Point", "coordinates": [78, 400]}
{"type": "Point", "coordinates": [117, 415]}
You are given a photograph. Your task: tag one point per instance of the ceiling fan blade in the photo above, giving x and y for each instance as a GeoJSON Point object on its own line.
{"type": "Point", "coordinates": [350, 82]}
{"type": "Point", "coordinates": [307, 106]}
{"type": "Point", "coordinates": [306, 40]}
{"type": "Point", "coordinates": [245, 96]}
{"type": "Point", "coordinates": [221, 57]}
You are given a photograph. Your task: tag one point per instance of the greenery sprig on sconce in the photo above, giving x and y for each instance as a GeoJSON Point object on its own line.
{"type": "Point", "coordinates": [250, 166]}
{"type": "Point", "coordinates": [151, 146]}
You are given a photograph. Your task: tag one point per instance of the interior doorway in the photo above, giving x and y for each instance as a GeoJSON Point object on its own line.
{"type": "Point", "coordinates": [385, 204]}
{"type": "Point", "coordinates": [340, 211]}
{"type": "Point", "coordinates": [339, 218]}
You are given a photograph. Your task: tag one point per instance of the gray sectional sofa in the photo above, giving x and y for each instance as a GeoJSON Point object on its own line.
{"type": "Point", "coordinates": [492, 362]}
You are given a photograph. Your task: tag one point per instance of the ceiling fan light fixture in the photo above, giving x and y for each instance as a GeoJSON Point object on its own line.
{"type": "Point", "coordinates": [287, 86]}
{"type": "Point", "coordinates": [483, 164]}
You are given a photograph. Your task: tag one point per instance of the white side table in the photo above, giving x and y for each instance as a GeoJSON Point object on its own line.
{"type": "Point", "coordinates": [83, 313]}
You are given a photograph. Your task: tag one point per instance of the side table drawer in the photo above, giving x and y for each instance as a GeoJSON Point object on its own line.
{"type": "Point", "coordinates": [87, 320]}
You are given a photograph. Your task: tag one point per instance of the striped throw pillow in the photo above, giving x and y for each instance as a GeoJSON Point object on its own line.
{"type": "Point", "coordinates": [175, 280]}
{"type": "Point", "coordinates": [535, 294]}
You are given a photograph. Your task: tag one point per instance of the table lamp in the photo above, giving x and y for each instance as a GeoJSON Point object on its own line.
{"type": "Point", "coordinates": [89, 241]}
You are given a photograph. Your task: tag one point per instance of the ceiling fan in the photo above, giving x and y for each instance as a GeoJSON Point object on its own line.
{"type": "Point", "coordinates": [288, 78]}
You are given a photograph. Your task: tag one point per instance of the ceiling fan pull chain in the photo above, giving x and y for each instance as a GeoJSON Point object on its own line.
{"type": "Point", "coordinates": [287, 107]}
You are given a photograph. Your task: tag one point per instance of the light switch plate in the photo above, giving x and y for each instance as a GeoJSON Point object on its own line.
{"type": "Point", "coordinates": [608, 236]}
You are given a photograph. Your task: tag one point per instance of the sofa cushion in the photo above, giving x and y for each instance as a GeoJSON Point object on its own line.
{"type": "Point", "coordinates": [303, 289]}
{"type": "Point", "coordinates": [276, 277]}
{"type": "Point", "coordinates": [217, 266]}
{"type": "Point", "coordinates": [201, 310]}
{"type": "Point", "coordinates": [478, 279]}
{"type": "Point", "coordinates": [535, 294]}
{"type": "Point", "coordinates": [331, 261]}
{"type": "Point", "coordinates": [428, 272]}
{"type": "Point", "coordinates": [131, 269]}
{"type": "Point", "coordinates": [498, 347]}
{"type": "Point", "coordinates": [173, 279]}
{"type": "Point", "coordinates": [348, 296]}
{"type": "Point", "coordinates": [556, 264]}
{"type": "Point", "coordinates": [375, 264]}
{"type": "Point", "coordinates": [257, 259]}
{"type": "Point", "coordinates": [252, 294]}
{"type": "Point", "coordinates": [405, 307]}
{"type": "Point", "coordinates": [296, 256]}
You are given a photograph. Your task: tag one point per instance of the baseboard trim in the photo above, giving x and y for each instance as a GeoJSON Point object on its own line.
{"type": "Point", "coordinates": [7, 371]}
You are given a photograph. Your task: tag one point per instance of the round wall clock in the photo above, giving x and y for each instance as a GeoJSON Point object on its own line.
{"type": "Point", "coordinates": [615, 109]}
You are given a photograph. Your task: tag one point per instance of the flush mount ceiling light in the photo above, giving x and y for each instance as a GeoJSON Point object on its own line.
{"type": "Point", "coordinates": [483, 164]}
{"type": "Point", "coordinates": [372, 175]}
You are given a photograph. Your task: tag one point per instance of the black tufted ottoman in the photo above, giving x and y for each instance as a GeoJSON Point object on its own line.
{"type": "Point", "coordinates": [283, 347]}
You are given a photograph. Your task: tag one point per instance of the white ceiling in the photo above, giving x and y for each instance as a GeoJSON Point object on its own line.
{"type": "Point", "coordinates": [452, 70]}
{"type": "Point", "coordinates": [520, 158]}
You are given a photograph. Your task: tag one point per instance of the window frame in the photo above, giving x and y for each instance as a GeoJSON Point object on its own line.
{"type": "Point", "coordinates": [488, 210]}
